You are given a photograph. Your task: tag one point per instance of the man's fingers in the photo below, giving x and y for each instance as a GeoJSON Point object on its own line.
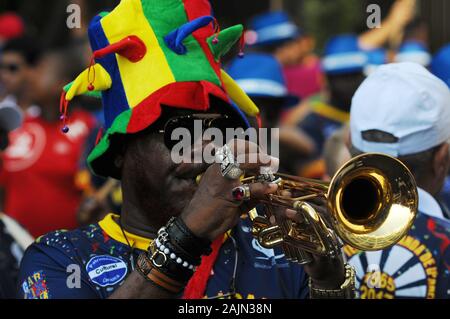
{"type": "Point", "coordinates": [251, 157]}
{"type": "Point", "coordinates": [286, 213]}
{"type": "Point", "coordinates": [239, 146]}
{"type": "Point", "coordinates": [261, 190]}
{"type": "Point", "coordinates": [254, 163]}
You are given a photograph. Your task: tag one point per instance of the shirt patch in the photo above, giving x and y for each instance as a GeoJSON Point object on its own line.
{"type": "Point", "coordinates": [408, 269]}
{"type": "Point", "coordinates": [35, 286]}
{"type": "Point", "coordinates": [106, 270]}
{"type": "Point", "coordinates": [266, 258]}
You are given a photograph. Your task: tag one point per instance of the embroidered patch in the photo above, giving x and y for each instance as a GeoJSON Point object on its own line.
{"type": "Point", "coordinates": [35, 286]}
{"type": "Point", "coordinates": [106, 270]}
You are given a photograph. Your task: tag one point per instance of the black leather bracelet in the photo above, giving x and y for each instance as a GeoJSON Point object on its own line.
{"type": "Point", "coordinates": [184, 255]}
{"type": "Point", "coordinates": [176, 251]}
{"type": "Point", "coordinates": [181, 236]}
{"type": "Point", "coordinates": [169, 266]}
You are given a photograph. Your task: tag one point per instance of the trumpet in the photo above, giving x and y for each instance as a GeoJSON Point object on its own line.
{"type": "Point", "coordinates": [372, 202]}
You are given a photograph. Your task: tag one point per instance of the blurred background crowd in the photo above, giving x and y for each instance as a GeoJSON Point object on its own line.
{"type": "Point", "coordinates": [304, 61]}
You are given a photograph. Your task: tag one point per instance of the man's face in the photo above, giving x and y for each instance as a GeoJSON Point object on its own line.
{"type": "Point", "coordinates": [45, 84]}
{"type": "Point", "coordinates": [151, 179]}
{"type": "Point", "coordinates": [13, 73]}
{"type": "Point", "coordinates": [293, 52]}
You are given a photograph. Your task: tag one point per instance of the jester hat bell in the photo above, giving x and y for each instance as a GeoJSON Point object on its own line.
{"type": "Point", "coordinates": [148, 53]}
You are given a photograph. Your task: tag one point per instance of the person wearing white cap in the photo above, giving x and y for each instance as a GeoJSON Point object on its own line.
{"type": "Point", "coordinates": [13, 238]}
{"type": "Point", "coordinates": [404, 111]}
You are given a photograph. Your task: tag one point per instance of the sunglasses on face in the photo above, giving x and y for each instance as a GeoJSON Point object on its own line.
{"type": "Point", "coordinates": [196, 125]}
{"type": "Point", "coordinates": [10, 67]}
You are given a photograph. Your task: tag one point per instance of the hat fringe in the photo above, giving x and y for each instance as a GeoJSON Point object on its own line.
{"type": "Point", "coordinates": [174, 40]}
{"type": "Point", "coordinates": [225, 40]}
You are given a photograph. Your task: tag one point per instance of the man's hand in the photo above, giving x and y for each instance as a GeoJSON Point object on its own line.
{"type": "Point", "coordinates": [325, 272]}
{"type": "Point", "coordinates": [212, 211]}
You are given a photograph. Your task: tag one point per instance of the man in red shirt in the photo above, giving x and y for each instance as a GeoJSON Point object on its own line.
{"type": "Point", "coordinates": [40, 164]}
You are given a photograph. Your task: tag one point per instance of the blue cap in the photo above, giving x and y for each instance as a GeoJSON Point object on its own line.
{"type": "Point", "coordinates": [375, 58]}
{"type": "Point", "coordinates": [440, 65]}
{"type": "Point", "coordinates": [343, 55]}
{"type": "Point", "coordinates": [413, 51]}
{"type": "Point", "coordinates": [261, 75]}
{"type": "Point", "coordinates": [271, 28]}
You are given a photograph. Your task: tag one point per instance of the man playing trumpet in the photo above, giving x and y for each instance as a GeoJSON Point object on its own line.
{"type": "Point", "coordinates": [157, 69]}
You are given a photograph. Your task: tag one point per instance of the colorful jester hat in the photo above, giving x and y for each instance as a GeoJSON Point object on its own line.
{"type": "Point", "coordinates": [148, 53]}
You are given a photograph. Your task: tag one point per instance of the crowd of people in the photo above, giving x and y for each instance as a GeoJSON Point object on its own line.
{"type": "Point", "coordinates": [94, 186]}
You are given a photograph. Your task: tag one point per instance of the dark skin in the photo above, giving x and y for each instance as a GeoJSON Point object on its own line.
{"type": "Point", "coordinates": [154, 189]}
{"type": "Point", "coordinates": [437, 171]}
{"type": "Point", "coordinates": [16, 82]}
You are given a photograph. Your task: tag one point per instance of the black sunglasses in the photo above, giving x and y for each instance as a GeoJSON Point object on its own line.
{"type": "Point", "coordinates": [196, 125]}
{"type": "Point", "coordinates": [10, 67]}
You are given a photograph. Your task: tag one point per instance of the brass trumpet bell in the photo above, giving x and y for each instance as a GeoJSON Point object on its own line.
{"type": "Point", "coordinates": [372, 201]}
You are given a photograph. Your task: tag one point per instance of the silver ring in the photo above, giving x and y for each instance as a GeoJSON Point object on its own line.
{"type": "Point", "coordinates": [229, 168]}
{"type": "Point", "coordinates": [241, 193]}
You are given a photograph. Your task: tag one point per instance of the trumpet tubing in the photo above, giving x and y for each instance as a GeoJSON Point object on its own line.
{"type": "Point", "coordinates": [372, 201]}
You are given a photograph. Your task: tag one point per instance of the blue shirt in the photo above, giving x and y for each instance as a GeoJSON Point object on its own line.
{"type": "Point", "coordinates": [101, 258]}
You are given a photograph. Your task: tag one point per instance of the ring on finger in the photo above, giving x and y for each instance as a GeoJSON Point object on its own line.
{"type": "Point", "coordinates": [241, 193]}
{"type": "Point", "coordinates": [228, 165]}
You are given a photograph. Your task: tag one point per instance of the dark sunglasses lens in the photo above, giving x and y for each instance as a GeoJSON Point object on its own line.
{"type": "Point", "coordinates": [177, 129]}
{"type": "Point", "coordinates": [12, 68]}
{"type": "Point", "coordinates": [227, 126]}
{"type": "Point", "coordinates": [195, 128]}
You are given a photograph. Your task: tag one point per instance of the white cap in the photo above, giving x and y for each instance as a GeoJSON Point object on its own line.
{"type": "Point", "coordinates": [405, 101]}
{"type": "Point", "coordinates": [10, 115]}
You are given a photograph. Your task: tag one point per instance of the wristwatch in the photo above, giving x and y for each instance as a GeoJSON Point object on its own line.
{"type": "Point", "coordinates": [346, 291]}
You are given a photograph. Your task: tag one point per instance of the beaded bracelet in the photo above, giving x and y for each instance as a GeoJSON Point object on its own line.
{"type": "Point", "coordinates": [173, 255]}
{"type": "Point", "coordinates": [164, 248]}
{"type": "Point", "coordinates": [181, 235]}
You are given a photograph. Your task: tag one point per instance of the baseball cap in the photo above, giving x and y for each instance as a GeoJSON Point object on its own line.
{"type": "Point", "coordinates": [413, 51]}
{"type": "Point", "coordinates": [375, 58]}
{"type": "Point", "coordinates": [261, 75]}
{"type": "Point", "coordinates": [343, 55]}
{"type": "Point", "coordinates": [10, 115]}
{"type": "Point", "coordinates": [271, 28]}
{"type": "Point", "coordinates": [440, 66]}
{"type": "Point", "coordinates": [404, 102]}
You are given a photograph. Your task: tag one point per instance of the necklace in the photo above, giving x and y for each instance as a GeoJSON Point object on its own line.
{"type": "Point", "coordinates": [128, 243]}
